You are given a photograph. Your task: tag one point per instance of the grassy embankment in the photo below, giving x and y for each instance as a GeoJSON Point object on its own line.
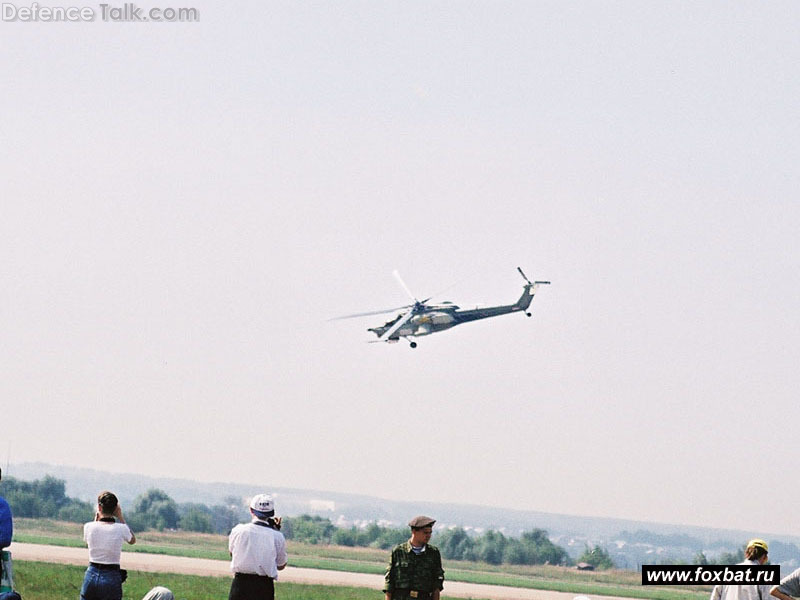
{"type": "Point", "coordinates": [371, 560]}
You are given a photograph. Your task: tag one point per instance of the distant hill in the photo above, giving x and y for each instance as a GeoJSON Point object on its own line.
{"type": "Point", "coordinates": [630, 543]}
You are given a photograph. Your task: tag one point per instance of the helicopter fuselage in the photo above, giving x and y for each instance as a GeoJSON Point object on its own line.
{"type": "Point", "coordinates": [422, 324]}
{"type": "Point", "coordinates": [422, 318]}
{"type": "Point", "coordinates": [435, 318]}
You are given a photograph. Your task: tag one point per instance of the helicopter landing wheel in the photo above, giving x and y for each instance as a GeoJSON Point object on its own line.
{"type": "Point", "coordinates": [413, 344]}
{"type": "Point", "coordinates": [528, 315]}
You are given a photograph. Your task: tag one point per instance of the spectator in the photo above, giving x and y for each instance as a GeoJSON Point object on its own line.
{"type": "Point", "coordinates": [415, 567]}
{"type": "Point", "coordinates": [258, 552]}
{"type": "Point", "coordinates": [159, 593]}
{"type": "Point", "coordinates": [6, 521]}
{"type": "Point", "coordinates": [6, 533]}
{"type": "Point", "coordinates": [104, 536]}
{"type": "Point", "coordinates": [755, 554]}
{"type": "Point", "coordinates": [789, 587]}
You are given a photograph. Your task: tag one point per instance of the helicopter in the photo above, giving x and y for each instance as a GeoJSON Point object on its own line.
{"type": "Point", "coordinates": [422, 318]}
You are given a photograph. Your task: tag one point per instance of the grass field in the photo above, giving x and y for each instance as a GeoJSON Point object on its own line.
{"type": "Point", "coordinates": [372, 560]}
{"type": "Point", "coordinates": [44, 581]}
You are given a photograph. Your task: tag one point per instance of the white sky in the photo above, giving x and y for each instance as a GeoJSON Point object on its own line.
{"type": "Point", "coordinates": [184, 205]}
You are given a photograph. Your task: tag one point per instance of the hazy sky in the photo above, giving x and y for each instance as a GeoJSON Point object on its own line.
{"type": "Point", "coordinates": [185, 204]}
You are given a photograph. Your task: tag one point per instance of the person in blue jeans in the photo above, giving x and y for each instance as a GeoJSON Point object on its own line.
{"type": "Point", "coordinates": [102, 583]}
{"type": "Point", "coordinates": [6, 521]}
{"type": "Point", "coordinates": [104, 536]}
{"type": "Point", "coordinates": [6, 533]}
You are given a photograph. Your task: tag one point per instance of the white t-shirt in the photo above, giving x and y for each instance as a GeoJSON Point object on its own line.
{"type": "Point", "coordinates": [257, 550]}
{"type": "Point", "coordinates": [105, 541]}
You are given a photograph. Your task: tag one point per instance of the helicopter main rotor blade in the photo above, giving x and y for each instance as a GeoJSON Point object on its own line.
{"type": "Point", "coordinates": [404, 286]}
{"type": "Point", "coordinates": [367, 314]}
{"type": "Point", "coordinates": [400, 322]}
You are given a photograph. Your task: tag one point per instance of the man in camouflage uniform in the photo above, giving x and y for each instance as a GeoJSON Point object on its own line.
{"type": "Point", "coordinates": [415, 567]}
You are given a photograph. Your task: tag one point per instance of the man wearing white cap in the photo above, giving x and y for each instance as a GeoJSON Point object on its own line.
{"type": "Point", "coordinates": [258, 552]}
{"type": "Point", "coordinates": [159, 593]}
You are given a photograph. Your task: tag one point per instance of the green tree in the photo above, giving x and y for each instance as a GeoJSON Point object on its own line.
{"type": "Point", "coordinates": [52, 491]}
{"type": "Point", "coordinates": [731, 558]}
{"type": "Point", "coordinates": [309, 529]}
{"type": "Point", "coordinates": [516, 553]}
{"type": "Point", "coordinates": [490, 547]}
{"type": "Point", "coordinates": [155, 510]}
{"type": "Point", "coordinates": [287, 529]}
{"type": "Point", "coordinates": [373, 535]}
{"type": "Point", "coordinates": [455, 544]}
{"type": "Point", "coordinates": [532, 548]}
{"type": "Point", "coordinates": [76, 511]}
{"type": "Point", "coordinates": [598, 557]}
{"type": "Point", "coordinates": [345, 537]}
{"type": "Point", "coordinates": [389, 538]}
{"type": "Point", "coordinates": [370, 535]}
{"type": "Point", "coordinates": [137, 521]}
{"type": "Point", "coordinates": [25, 503]}
{"type": "Point", "coordinates": [196, 519]}
{"type": "Point", "coordinates": [225, 517]}
{"type": "Point", "coordinates": [39, 498]}
{"type": "Point", "coordinates": [540, 550]}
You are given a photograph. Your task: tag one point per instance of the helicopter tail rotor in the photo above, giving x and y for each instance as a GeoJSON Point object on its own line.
{"type": "Point", "coordinates": [529, 282]}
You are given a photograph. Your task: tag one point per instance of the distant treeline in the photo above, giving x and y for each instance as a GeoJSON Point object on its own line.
{"type": "Point", "coordinates": [532, 548]}
{"type": "Point", "coordinates": [685, 549]}
{"type": "Point", "coordinates": [155, 510]}
{"type": "Point", "coordinates": [43, 498]}
{"type": "Point", "coordinates": [46, 498]}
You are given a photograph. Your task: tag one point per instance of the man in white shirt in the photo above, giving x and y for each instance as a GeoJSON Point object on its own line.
{"type": "Point", "coordinates": [258, 552]}
{"type": "Point", "coordinates": [104, 536]}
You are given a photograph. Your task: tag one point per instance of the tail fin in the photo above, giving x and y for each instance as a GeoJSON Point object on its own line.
{"type": "Point", "coordinates": [527, 294]}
